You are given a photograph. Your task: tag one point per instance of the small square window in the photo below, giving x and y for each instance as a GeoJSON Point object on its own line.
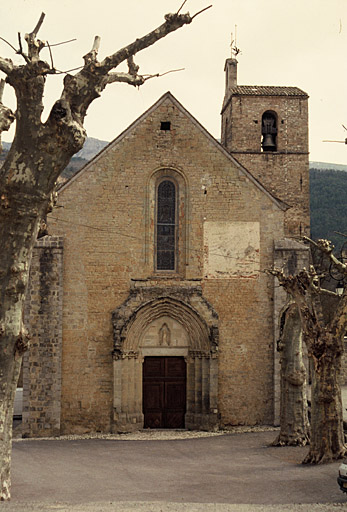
{"type": "Point", "coordinates": [165, 125]}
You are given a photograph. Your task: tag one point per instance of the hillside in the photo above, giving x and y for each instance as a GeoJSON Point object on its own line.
{"type": "Point", "coordinates": [91, 148]}
{"type": "Point", "coordinates": [324, 166]}
{"type": "Point", "coordinates": [328, 204]}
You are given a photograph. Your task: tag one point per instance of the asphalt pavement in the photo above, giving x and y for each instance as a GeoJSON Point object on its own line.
{"type": "Point", "coordinates": [207, 474]}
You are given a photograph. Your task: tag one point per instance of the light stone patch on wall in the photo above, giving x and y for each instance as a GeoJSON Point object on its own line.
{"type": "Point", "coordinates": [231, 249]}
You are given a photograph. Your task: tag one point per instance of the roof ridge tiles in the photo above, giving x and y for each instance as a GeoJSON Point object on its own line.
{"type": "Point", "coordinates": [267, 90]}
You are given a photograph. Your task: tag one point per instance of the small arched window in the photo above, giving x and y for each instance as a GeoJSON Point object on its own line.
{"type": "Point", "coordinates": [269, 131]}
{"type": "Point", "coordinates": [166, 232]}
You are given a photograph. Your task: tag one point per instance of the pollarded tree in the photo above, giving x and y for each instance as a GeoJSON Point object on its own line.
{"type": "Point", "coordinates": [323, 315]}
{"type": "Point", "coordinates": [294, 425]}
{"type": "Point", "coordinates": [39, 153]}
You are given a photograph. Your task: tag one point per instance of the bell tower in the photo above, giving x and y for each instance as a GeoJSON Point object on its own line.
{"type": "Point", "coordinates": [266, 129]}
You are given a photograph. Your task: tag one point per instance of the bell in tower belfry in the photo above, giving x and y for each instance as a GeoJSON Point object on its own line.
{"type": "Point", "coordinates": [269, 132]}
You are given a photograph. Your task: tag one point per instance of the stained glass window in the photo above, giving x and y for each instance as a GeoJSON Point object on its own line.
{"type": "Point", "coordinates": [166, 226]}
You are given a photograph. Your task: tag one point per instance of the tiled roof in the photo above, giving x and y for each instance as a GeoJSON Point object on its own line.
{"type": "Point", "coordinates": [260, 90]}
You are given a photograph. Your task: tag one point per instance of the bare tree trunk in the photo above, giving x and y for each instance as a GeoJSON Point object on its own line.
{"type": "Point", "coordinates": [294, 427]}
{"type": "Point", "coordinates": [19, 218]}
{"type": "Point", "coordinates": [327, 436]}
{"type": "Point", "coordinates": [9, 376]}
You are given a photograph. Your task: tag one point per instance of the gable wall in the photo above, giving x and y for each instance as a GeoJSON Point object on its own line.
{"type": "Point", "coordinates": [106, 218]}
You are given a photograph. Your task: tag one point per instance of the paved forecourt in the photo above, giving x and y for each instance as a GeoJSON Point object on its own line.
{"type": "Point", "coordinates": [158, 474]}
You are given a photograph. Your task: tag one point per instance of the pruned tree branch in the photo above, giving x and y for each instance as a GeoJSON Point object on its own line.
{"type": "Point", "coordinates": [63, 42]}
{"type": "Point", "coordinates": [306, 281]}
{"type": "Point", "coordinates": [326, 248]}
{"type": "Point", "coordinates": [2, 87]}
{"type": "Point", "coordinates": [172, 23]}
{"type": "Point", "coordinates": [68, 70]}
{"type": "Point", "coordinates": [135, 80]}
{"type": "Point", "coordinates": [91, 56]}
{"type": "Point", "coordinates": [9, 44]}
{"type": "Point", "coordinates": [20, 44]}
{"type": "Point", "coordinates": [324, 291]}
{"type": "Point", "coordinates": [156, 75]}
{"type": "Point", "coordinates": [125, 78]}
{"type": "Point", "coordinates": [38, 25]}
{"type": "Point", "coordinates": [133, 68]}
{"type": "Point", "coordinates": [51, 55]}
{"type": "Point", "coordinates": [20, 51]}
{"type": "Point", "coordinates": [202, 10]}
{"type": "Point", "coordinates": [81, 89]}
{"type": "Point", "coordinates": [35, 45]}
{"type": "Point", "coordinates": [181, 7]}
{"type": "Point", "coordinates": [6, 115]}
{"type": "Point", "coordinates": [6, 65]}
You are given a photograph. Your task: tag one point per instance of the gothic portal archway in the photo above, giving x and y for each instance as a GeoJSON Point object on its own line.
{"type": "Point", "coordinates": [165, 326]}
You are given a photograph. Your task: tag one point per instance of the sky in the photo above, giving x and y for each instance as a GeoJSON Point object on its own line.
{"type": "Point", "coordinates": [300, 43]}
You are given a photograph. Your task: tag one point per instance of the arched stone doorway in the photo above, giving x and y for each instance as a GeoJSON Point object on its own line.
{"type": "Point", "coordinates": [165, 327]}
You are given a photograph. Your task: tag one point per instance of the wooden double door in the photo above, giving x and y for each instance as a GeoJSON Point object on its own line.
{"type": "Point", "coordinates": [164, 392]}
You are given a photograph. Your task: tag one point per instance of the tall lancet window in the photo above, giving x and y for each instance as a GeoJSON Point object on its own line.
{"type": "Point", "coordinates": [166, 226]}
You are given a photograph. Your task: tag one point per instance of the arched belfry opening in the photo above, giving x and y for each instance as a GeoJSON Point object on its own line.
{"type": "Point", "coordinates": [269, 131]}
{"type": "Point", "coordinates": [165, 361]}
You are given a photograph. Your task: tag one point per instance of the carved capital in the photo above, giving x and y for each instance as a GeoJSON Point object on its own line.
{"type": "Point", "coordinates": [130, 354]}
{"type": "Point", "coordinates": [199, 354]}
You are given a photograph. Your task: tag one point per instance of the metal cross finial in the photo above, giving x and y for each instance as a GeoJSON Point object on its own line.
{"type": "Point", "coordinates": [234, 49]}
{"type": "Point", "coordinates": [232, 43]}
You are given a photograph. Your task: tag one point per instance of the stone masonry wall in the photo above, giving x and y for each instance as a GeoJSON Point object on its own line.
{"type": "Point", "coordinates": [107, 220]}
{"type": "Point", "coordinates": [285, 172]}
{"type": "Point", "coordinates": [42, 363]}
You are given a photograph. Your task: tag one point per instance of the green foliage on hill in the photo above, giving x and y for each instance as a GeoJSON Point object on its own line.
{"type": "Point", "coordinates": [75, 164]}
{"type": "Point", "coordinates": [328, 197]}
{"type": "Point", "coordinates": [3, 155]}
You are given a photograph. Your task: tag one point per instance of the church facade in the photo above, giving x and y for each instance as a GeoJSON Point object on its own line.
{"type": "Point", "coordinates": [148, 303]}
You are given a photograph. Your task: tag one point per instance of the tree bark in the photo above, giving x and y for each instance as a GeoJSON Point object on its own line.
{"type": "Point", "coordinates": [327, 436]}
{"type": "Point", "coordinates": [294, 427]}
{"type": "Point", "coordinates": [10, 369]}
{"type": "Point", "coordinates": [19, 217]}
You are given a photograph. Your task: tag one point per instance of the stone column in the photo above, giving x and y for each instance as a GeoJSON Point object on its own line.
{"type": "Point", "coordinates": [198, 391]}
{"type": "Point", "coordinates": [42, 363]}
{"type": "Point", "coordinates": [205, 378]}
{"type": "Point", "coordinates": [117, 389]}
{"type": "Point", "coordinates": [214, 384]}
{"type": "Point", "coordinates": [189, 419]}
